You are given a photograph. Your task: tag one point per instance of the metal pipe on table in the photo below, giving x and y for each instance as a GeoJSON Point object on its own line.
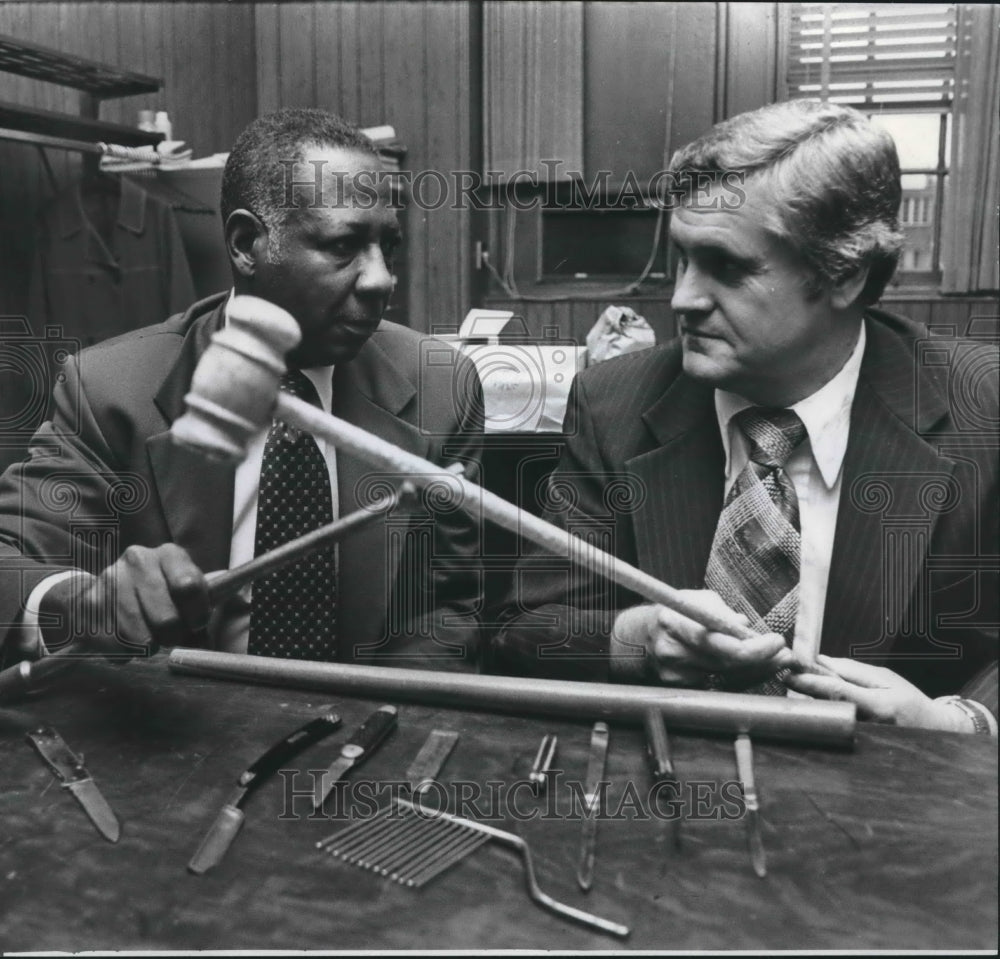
{"type": "Point", "coordinates": [805, 721]}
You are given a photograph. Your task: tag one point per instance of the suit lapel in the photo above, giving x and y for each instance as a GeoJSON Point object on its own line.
{"type": "Point", "coordinates": [884, 523]}
{"type": "Point", "coordinates": [683, 481]}
{"type": "Point", "coordinates": [196, 492]}
{"type": "Point", "coordinates": [370, 392]}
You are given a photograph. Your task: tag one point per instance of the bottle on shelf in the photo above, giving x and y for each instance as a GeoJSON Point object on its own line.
{"type": "Point", "coordinates": [162, 124]}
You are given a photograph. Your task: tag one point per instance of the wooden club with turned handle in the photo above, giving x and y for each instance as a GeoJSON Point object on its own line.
{"type": "Point", "coordinates": [28, 676]}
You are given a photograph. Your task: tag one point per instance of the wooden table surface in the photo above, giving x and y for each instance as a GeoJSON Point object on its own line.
{"type": "Point", "coordinates": [891, 845]}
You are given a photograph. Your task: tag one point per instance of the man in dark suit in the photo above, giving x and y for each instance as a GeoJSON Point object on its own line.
{"type": "Point", "coordinates": [107, 530]}
{"type": "Point", "coordinates": [825, 469]}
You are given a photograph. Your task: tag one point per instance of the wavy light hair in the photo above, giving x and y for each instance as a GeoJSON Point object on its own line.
{"type": "Point", "coordinates": [834, 177]}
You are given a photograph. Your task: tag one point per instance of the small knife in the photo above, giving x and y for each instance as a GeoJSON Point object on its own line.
{"type": "Point", "coordinates": [361, 744]}
{"type": "Point", "coordinates": [69, 767]}
{"type": "Point", "coordinates": [595, 776]}
{"type": "Point", "coordinates": [227, 824]}
{"type": "Point", "coordinates": [660, 762]}
{"type": "Point", "coordinates": [744, 766]}
{"type": "Point", "coordinates": [422, 772]}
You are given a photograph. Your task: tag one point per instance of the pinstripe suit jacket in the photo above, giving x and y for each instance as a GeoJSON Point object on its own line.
{"type": "Point", "coordinates": [105, 475]}
{"type": "Point", "coordinates": [913, 580]}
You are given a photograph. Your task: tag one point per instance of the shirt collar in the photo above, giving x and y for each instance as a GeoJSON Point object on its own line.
{"type": "Point", "coordinates": [320, 376]}
{"type": "Point", "coordinates": [826, 415]}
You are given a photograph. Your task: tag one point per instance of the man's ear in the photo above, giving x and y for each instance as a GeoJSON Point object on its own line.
{"type": "Point", "coordinates": [845, 292]}
{"type": "Point", "coordinates": [246, 242]}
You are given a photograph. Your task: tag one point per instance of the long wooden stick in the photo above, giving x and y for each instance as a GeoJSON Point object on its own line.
{"type": "Point", "coordinates": [805, 721]}
{"type": "Point", "coordinates": [475, 499]}
{"type": "Point", "coordinates": [235, 392]}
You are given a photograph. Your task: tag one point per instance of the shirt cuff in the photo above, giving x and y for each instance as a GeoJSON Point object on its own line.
{"type": "Point", "coordinates": [32, 643]}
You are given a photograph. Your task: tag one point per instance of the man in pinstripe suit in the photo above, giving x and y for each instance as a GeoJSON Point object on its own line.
{"type": "Point", "coordinates": [892, 476]}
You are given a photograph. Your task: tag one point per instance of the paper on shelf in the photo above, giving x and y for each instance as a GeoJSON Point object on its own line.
{"type": "Point", "coordinates": [484, 324]}
{"type": "Point", "coordinates": [525, 386]}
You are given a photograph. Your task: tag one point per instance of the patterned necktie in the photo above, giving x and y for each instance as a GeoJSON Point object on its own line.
{"type": "Point", "coordinates": [754, 563]}
{"type": "Point", "coordinates": [293, 611]}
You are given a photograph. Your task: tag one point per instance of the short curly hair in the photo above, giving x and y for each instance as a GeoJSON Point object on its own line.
{"type": "Point", "coordinates": [834, 177]}
{"type": "Point", "coordinates": [254, 178]}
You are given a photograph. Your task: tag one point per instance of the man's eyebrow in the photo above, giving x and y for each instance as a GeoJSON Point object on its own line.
{"type": "Point", "coordinates": [363, 226]}
{"type": "Point", "coordinates": [712, 248]}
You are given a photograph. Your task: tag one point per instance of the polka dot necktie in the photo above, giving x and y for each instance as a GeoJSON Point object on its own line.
{"type": "Point", "coordinates": [754, 563]}
{"type": "Point", "coordinates": [293, 610]}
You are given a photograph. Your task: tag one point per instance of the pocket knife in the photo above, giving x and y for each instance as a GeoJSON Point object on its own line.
{"type": "Point", "coordinates": [230, 818]}
{"type": "Point", "coordinates": [361, 744]}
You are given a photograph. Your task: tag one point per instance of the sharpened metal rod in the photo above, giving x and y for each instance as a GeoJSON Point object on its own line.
{"type": "Point", "coordinates": [422, 845]}
{"type": "Point", "coordinates": [380, 830]}
{"type": "Point", "coordinates": [368, 856]}
{"type": "Point", "coordinates": [433, 868]}
{"type": "Point", "coordinates": [348, 831]}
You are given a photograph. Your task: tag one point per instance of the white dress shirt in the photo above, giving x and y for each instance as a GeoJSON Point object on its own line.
{"type": "Point", "coordinates": [815, 469]}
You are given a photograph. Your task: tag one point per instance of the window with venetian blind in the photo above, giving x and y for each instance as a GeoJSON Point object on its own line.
{"type": "Point", "coordinates": [896, 62]}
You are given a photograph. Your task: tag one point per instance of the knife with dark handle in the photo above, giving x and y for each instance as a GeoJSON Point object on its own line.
{"type": "Point", "coordinates": [744, 767]}
{"type": "Point", "coordinates": [361, 744]}
{"type": "Point", "coordinates": [592, 797]}
{"type": "Point", "coordinates": [228, 822]}
{"type": "Point", "coordinates": [661, 763]}
{"type": "Point", "coordinates": [69, 768]}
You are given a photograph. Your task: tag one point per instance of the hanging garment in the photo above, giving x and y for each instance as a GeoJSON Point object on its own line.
{"type": "Point", "coordinates": [98, 279]}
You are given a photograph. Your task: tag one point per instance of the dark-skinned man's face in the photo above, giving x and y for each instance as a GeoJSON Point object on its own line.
{"type": "Point", "coordinates": [330, 263]}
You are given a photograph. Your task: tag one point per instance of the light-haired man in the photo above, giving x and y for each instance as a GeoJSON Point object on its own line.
{"type": "Point", "coordinates": [796, 453]}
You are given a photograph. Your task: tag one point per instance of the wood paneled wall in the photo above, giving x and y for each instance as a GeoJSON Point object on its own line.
{"type": "Point", "coordinates": [203, 52]}
{"type": "Point", "coordinates": [414, 65]}
{"type": "Point", "coordinates": [573, 317]}
{"type": "Point", "coordinates": [406, 64]}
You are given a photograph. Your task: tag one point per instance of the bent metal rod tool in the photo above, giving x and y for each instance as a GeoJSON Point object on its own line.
{"type": "Point", "coordinates": [411, 844]}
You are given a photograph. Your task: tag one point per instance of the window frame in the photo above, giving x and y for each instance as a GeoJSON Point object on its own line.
{"type": "Point", "coordinates": [903, 280]}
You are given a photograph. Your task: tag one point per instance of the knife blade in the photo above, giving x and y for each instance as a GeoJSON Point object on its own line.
{"type": "Point", "coordinates": [661, 763]}
{"type": "Point", "coordinates": [359, 746]}
{"type": "Point", "coordinates": [422, 772]}
{"type": "Point", "coordinates": [69, 768]}
{"type": "Point", "coordinates": [592, 796]}
{"type": "Point", "coordinates": [755, 841]}
{"type": "Point", "coordinates": [230, 818]}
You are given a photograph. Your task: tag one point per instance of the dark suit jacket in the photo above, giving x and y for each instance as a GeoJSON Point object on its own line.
{"type": "Point", "coordinates": [913, 581]}
{"type": "Point", "coordinates": [104, 474]}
